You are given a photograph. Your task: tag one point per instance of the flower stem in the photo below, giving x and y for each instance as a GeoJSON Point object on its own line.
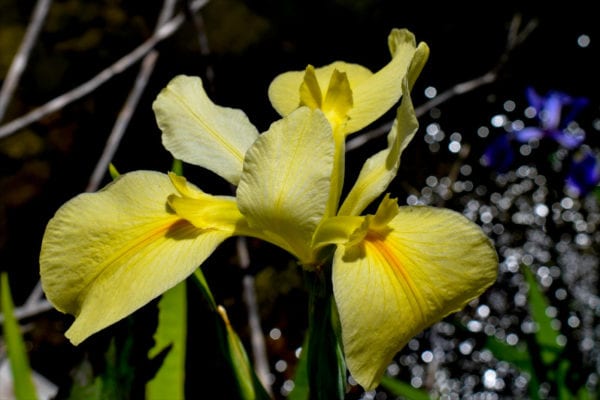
{"type": "Point", "coordinates": [326, 368]}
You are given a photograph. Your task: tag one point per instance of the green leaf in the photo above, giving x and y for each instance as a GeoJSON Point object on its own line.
{"type": "Point", "coordinates": [520, 357]}
{"type": "Point", "coordinates": [301, 388]}
{"type": "Point", "coordinates": [546, 336]}
{"type": "Point", "coordinates": [86, 386]}
{"type": "Point", "coordinates": [170, 334]}
{"type": "Point", "coordinates": [517, 355]}
{"type": "Point", "coordinates": [247, 383]}
{"type": "Point", "coordinates": [117, 379]}
{"type": "Point", "coordinates": [407, 391]}
{"type": "Point", "coordinates": [24, 388]}
{"type": "Point", "coordinates": [112, 170]}
{"type": "Point", "coordinates": [203, 286]}
{"type": "Point", "coordinates": [249, 387]}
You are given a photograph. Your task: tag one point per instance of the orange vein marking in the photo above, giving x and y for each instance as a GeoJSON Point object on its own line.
{"type": "Point", "coordinates": [383, 249]}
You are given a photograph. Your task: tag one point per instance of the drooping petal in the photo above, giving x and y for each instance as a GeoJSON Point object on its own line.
{"type": "Point", "coordinates": [106, 254]}
{"type": "Point", "coordinates": [286, 179]}
{"type": "Point", "coordinates": [199, 132]}
{"type": "Point", "coordinates": [380, 169]}
{"type": "Point", "coordinates": [396, 282]}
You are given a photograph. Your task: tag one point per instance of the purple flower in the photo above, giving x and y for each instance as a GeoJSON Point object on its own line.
{"type": "Point", "coordinates": [584, 173]}
{"type": "Point", "coordinates": [555, 112]}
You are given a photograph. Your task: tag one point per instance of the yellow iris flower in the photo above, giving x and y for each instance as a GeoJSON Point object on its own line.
{"type": "Point", "coordinates": [106, 254]}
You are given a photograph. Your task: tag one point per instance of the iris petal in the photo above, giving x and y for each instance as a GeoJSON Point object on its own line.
{"type": "Point", "coordinates": [380, 169]}
{"type": "Point", "coordinates": [284, 91]}
{"type": "Point", "coordinates": [199, 132]}
{"type": "Point", "coordinates": [395, 283]}
{"type": "Point", "coordinates": [373, 93]}
{"type": "Point", "coordinates": [106, 254]}
{"type": "Point", "coordinates": [375, 96]}
{"type": "Point", "coordinates": [286, 179]}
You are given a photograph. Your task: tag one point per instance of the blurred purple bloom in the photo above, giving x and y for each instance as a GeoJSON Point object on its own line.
{"type": "Point", "coordinates": [555, 113]}
{"type": "Point", "coordinates": [584, 173]}
{"type": "Point", "coordinates": [553, 122]}
{"type": "Point", "coordinates": [499, 155]}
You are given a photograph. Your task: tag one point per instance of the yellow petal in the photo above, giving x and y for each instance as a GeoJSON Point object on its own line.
{"type": "Point", "coordinates": [197, 131]}
{"type": "Point", "coordinates": [376, 95]}
{"type": "Point", "coordinates": [104, 255]}
{"type": "Point", "coordinates": [203, 210]}
{"type": "Point", "coordinates": [284, 91]}
{"type": "Point", "coordinates": [338, 97]}
{"type": "Point", "coordinates": [372, 94]}
{"type": "Point", "coordinates": [380, 169]}
{"type": "Point", "coordinates": [338, 101]}
{"type": "Point", "coordinates": [417, 64]}
{"type": "Point", "coordinates": [286, 180]}
{"type": "Point", "coordinates": [427, 264]}
{"type": "Point", "coordinates": [310, 91]}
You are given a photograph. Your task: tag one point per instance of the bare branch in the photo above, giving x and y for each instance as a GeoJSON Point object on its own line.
{"type": "Point", "coordinates": [20, 61]}
{"type": "Point", "coordinates": [130, 104]}
{"type": "Point", "coordinates": [203, 42]}
{"type": "Point", "coordinates": [257, 339]}
{"type": "Point", "coordinates": [121, 65]}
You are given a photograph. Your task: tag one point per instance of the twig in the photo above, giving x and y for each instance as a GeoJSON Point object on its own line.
{"type": "Point", "coordinates": [122, 122]}
{"type": "Point", "coordinates": [203, 42]}
{"type": "Point", "coordinates": [257, 339]}
{"type": "Point", "coordinates": [122, 64]}
{"type": "Point", "coordinates": [515, 38]}
{"type": "Point", "coordinates": [130, 104]}
{"type": "Point", "coordinates": [20, 61]}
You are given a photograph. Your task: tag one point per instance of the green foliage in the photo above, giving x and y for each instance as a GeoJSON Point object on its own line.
{"type": "Point", "coordinates": [541, 357]}
{"type": "Point", "coordinates": [170, 336]}
{"type": "Point", "coordinates": [248, 386]}
{"type": "Point", "coordinates": [327, 372]}
{"type": "Point", "coordinates": [403, 389]}
{"type": "Point", "coordinates": [17, 354]}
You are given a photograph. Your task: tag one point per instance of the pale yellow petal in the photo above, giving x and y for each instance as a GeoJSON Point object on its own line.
{"type": "Point", "coordinates": [376, 95]}
{"type": "Point", "coordinates": [310, 90]}
{"type": "Point", "coordinates": [104, 255]}
{"type": "Point", "coordinates": [372, 94]}
{"type": "Point", "coordinates": [286, 180]}
{"type": "Point", "coordinates": [203, 210]}
{"type": "Point", "coordinates": [380, 169]}
{"type": "Point", "coordinates": [429, 263]}
{"type": "Point", "coordinates": [417, 64]}
{"type": "Point", "coordinates": [284, 91]}
{"type": "Point", "coordinates": [199, 132]}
